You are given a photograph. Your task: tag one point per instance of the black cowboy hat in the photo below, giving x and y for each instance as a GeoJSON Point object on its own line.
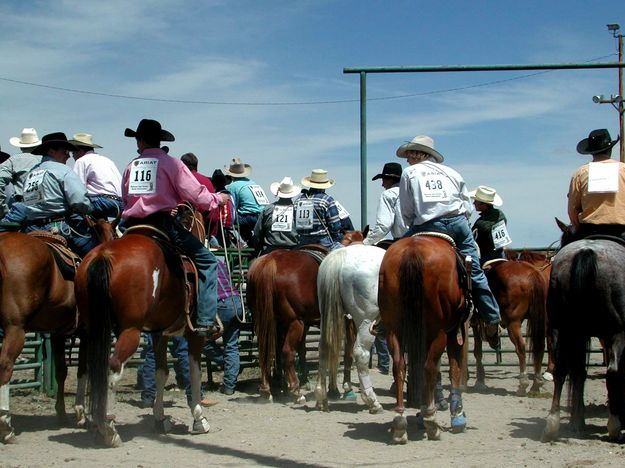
{"type": "Point", "coordinates": [149, 130]}
{"type": "Point", "coordinates": [391, 170]}
{"type": "Point", "coordinates": [4, 156]}
{"type": "Point", "coordinates": [598, 141]}
{"type": "Point", "coordinates": [53, 140]}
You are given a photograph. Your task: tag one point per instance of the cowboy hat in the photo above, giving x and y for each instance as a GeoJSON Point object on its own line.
{"type": "Point", "coordinates": [318, 179]}
{"type": "Point", "coordinates": [285, 189]}
{"type": "Point", "coordinates": [598, 141]}
{"type": "Point", "coordinates": [390, 170]}
{"type": "Point", "coordinates": [28, 139]}
{"type": "Point", "coordinates": [150, 130]}
{"type": "Point", "coordinates": [53, 140]}
{"type": "Point", "coordinates": [420, 143]}
{"type": "Point", "coordinates": [238, 169]}
{"type": "Point", "coordinates": [4, 156]}
{"type": "Point", "coordinates": [487, 195]}
{"type": "Point", "coordinates": [83, 139]}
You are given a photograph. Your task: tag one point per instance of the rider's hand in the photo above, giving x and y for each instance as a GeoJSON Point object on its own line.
{"type": "Point", "coordinates": [223, 198]}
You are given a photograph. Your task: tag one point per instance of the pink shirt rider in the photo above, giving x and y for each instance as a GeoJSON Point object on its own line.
{"type": "Point", "coordinates": [174, 184]}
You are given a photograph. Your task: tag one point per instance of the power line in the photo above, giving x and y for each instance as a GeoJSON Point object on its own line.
{"type": "Point", "coordinates": [283, 103]}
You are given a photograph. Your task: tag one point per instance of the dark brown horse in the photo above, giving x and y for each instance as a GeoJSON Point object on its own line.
{"type": "Point", "coordinates": [423, 310]}
{"type": "Point", "coordinates": [36, 296]}
{"type": "Point", "coordinates": [126, 286]}
{"type": "Point", "coordinates": [521, 294]}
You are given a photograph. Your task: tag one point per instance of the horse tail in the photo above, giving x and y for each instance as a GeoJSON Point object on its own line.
{"type": "Point", "coordinates": [537, 315]}
{"type": "Point", "coordinates": [413, 341]}
{"type": "Point", "coordinates": [331, 308]}
{"type": "Point", "coordinates": [260, 293]}
{"type": "Point", "coordinates": [99, 334]}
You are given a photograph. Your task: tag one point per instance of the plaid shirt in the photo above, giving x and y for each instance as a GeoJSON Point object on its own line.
{"type": "Point", "coordinates": [326, 215]}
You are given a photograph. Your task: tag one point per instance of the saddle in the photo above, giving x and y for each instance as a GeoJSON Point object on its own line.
{"type": "Point", "coordinates": [316, 251]}
{"type": "Point", "coordinates": [65, 259]}
{"type": "Point", "coordinates": [179, 263]}
{"type": "Point", "coordinates": [618, 240]}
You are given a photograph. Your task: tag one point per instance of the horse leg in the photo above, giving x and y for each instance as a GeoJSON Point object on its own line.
{"type": "Point", "coordinates": [348, 360]}
{"type": "Point", "coordinates": [81, 386]}
{"type": "Point", "coordinates": [57, 343]}
{"type": "Point", "coordinates": [362, 350]}
{"type": "Point", "coordinates": [456, 358]}
{"type": "Point", "coordinates": [11, 348]}
{"type": "Point", "coordinates": [428, 408]}
{"type": "Point", "coordinates": [552, 423]}
{"type": "Point", "coordinates": [293, 338]}
{"type": "Point", "coordinates": [480, 377]}
{"type": "Point", "coordinates": [616, 385]}
{"type": "Point", "coordinates": [301, 359]}
{"type": "Point", "coordinates": [196, 344]}
{"type": "Point", "coordinates": [516, 336]}
{"type": "Point", "coordinates": [126, 345]}
{"type": "Point", "coordinates": [159, 343]}
{"type": "Point", "coordinates": [548, 374]}
{"type": "Point", "coordinates": [399, 424]}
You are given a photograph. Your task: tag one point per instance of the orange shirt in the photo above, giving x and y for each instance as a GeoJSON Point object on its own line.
{"type": "Point", "coordinates": [596, 208]}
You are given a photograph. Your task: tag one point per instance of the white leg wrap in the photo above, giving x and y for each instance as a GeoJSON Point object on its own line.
{"type": "Point", "coordinates": [4, 398]}
{"type": "Point", "coordinates": [114, 378]}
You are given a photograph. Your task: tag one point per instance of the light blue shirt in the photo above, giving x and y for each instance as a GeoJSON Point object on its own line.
{"type": "Point", "coordinates": [244, 199]}
{"type": "Point", "coordinates": [14, 171]}
{"type": "Point", "coordinates": [62, 192]}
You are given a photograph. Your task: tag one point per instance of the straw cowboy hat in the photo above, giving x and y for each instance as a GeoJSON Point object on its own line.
{"type": "Point", "coordinates": [285, 189]}
{"type": "Point", "coordinates": [318, 179]}
{"type": "Point", "coordinates": [390, 170]}
{"type": "Point", "coordinates": [598, 141]}
{"type": "Point", "coordinates": [150, 130]}
{"type": "Point", "coordinates": [420, 143]}
{"type": "Point", "coordinates": [28, 139]}
{"type": "Point", "coordinates": [487, 195]}
{"type": "Point", "coordinates": [83, 139]}
{"type": "Point", "coordinates": [238, 169]}
{"type": "Point", "coordinates": [53, 140]}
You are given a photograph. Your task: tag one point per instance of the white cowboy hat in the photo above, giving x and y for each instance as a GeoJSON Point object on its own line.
{"type": "Point", "coordinates": [83, 139]}
{"type": "Point", "coordinates": [285, 189]}
{"type": "Point", "coordinates": [420, 143]}
{"type": "Point", "coordinates": [238, 169]}
{"type": "Point", "coordinates": [318, 179]}
{"type": "Point", "coordinates": [486, 195]}
{"type": "Point", "coordinates": [28, 139]}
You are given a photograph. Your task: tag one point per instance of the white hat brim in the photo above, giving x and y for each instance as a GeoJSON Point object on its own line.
{"type": "Point", "coordinates": [401, 151]}
{"type": "Point", "coordinates": [497, 200]}
{"type": "Point", "coordinates": [308, 183]}
{"type": "Point", "coordinates": [15, 141]}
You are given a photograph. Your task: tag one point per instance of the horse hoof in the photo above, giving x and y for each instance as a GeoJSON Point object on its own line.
{"type": "Point", "coordinates": [614, 428]}
{"type": "Point", "coordinates": [442, 405]}
{"type": "Point", "coordinates": [350, 395]}
{"type": "Point", "coordinates": [420, 423]}
{"type": "Point", "coordinates": [548, 376]}
{"type": "Point", "coordinates": [458, 423]}
{"type": "Point", "coordinates": [552, 428]}
{"type": "Point", "coordinates": [323, 406]}
{"type": "Point", "coordinates": [9, 438]}
{"type": "Point", "coordinates": [200, 426]}
{"type": "Point", "coordinates": [111, 440]}
{"type": "Point", "coordinates": [163, 426]}
{"type": "Point", "coordinates": [300, 400]}
{"type": "Point", "coordinates": [521, 392]}
{"type": "Point", "coordinates": [480, 387]}
{"type": "Point", "coordinates": [398, 429]}
{"type": "Point", "coordinates": [376, 408]}
{"type": "Point", "coordinates": [432, 429]}
{"type": "Point", "coordinates": [334, 395]}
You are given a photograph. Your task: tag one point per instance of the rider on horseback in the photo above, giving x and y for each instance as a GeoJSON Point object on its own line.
{"type": "Point", "coordinates": [152, 186]}
{"type": "Point", "coordinates": [434, 197]}
{"type": "Point", "coordinates": [597, 190]}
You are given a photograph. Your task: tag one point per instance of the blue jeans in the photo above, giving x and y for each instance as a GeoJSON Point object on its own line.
{"type": "Point", "coordinates": [228, 356]}
{"type": "Point", "coordinates": [325, 240]}
{"type": "Point", "coordinates": [381, 349]}
{"type": "Point", "coordinates": [104, 207]}
{"type": "Point", "coordinates": [16, 214]}
{"type": "Point", "coordinates": [457, 227]}
{"type": "Point", "coordinates": [146, 374]}
{"type": "Point", "coordinates": [75, 231]}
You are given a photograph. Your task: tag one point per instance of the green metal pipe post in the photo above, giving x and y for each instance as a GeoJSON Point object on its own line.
{"type": "Point", "coordinates": [363, 150]}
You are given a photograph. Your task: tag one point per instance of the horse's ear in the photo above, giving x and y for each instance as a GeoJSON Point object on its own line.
{"type": "Point", "coordinates": [563, 227]}
{"type": "Point", "coordinates": [365, 231]}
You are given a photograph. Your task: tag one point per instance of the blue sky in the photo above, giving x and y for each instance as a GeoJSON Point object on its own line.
{"type": "Point", "coordinates": [258, 76]}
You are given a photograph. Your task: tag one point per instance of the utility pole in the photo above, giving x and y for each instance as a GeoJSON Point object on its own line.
{"type": "Point", "coordinates": [615, 29]}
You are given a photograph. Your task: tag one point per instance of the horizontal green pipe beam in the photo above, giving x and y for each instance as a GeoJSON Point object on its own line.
{"type": "Point", "coordinates": [471, 68]}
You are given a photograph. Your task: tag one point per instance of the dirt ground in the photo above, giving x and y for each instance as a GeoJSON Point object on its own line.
{"type": "Point", "coordinates": [503, 430]}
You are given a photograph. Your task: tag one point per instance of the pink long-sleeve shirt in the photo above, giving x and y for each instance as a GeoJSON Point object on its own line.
{"type": "Point", "coordinates": [156, 182]}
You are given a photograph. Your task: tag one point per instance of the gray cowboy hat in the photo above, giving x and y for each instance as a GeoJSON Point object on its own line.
{"type": "Point", "coordinates": [422, 143]}
{"type": "Point", "coordinates": [237, 169]}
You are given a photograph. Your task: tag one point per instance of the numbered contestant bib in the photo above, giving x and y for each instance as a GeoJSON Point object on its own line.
{"type": "Point", "coordinates": [305, 210]}
{"type": "Point", "coordinates": [142, 180]}
{"type": "Point", "coordinates": [434, 185]}
{"type": "Point", "coordinates": [602, 178]}
{"type": "Point", "coordinates": [343, 213]}
{"type": "Point", "coordinates": [282, 218]}
{"type": "Point", "coordinates": [500, 235]}
{"type": "Point", "coordinates": [259, 194]}
{"type": "Point", "coordinates": [33, 187]}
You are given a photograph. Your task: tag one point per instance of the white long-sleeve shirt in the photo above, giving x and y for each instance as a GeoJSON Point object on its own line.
{"type": "Point", "coordinates": [387, 218]}
{"type": "Point", "coordinates": [429, 190]}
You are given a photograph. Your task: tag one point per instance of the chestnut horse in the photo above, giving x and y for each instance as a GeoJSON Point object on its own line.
{"type": "Point", "coordinates": [424, 310]}
{"type": "Point", "coordinates": [35, 296]}
{"type": "Point", "coordinates": [587, 299]}
{"type": "Point", "coordinates": [126, 286]}
{"type": "Point", "coordinates": [521, 294]}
